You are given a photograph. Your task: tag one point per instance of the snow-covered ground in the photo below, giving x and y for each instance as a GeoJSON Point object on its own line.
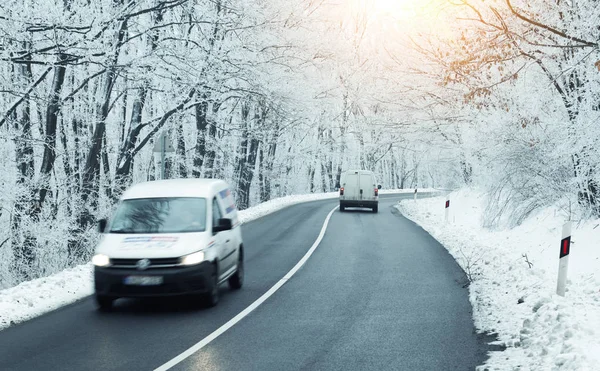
{"type": "Point", "coordinates": [32, 298]}
{"type": "Point", "coordinates": [514, 277]}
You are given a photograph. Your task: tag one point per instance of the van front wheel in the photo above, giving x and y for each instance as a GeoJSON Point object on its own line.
{"type": "Point", "coordinates": [342, 207]}
{"type": "Point", "coordinates": [237, 280]}
{"type": "Point", "coordinates": [375, 209]}
{"type": "Point", "coordinates": [211, 298]}
{"type": "Point", "coordinates": [105, 303]}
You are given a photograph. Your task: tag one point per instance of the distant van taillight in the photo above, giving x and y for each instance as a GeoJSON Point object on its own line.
{"type": "Point", "coordinates": [376, 192]}
{"type": "Point", "coordinates": [341, 191]}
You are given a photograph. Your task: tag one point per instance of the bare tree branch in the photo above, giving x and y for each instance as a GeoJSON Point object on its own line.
{"type": "Point", "coordinates": [25, 96]}
{"type": "Point", "coordinates": [550, 29]}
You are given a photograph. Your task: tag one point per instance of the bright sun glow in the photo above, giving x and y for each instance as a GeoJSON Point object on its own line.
{"type": "Point", "coordinates": [377, 27]}
{"type": "Point", "coordinates": [397, 9]}
{"type": "Point", "coordinates": [385, 19]}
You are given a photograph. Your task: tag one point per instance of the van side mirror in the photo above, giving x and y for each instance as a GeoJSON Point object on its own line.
{"type": "Point", "coordinates": [223, 224]}
{"type": "Point", "coordinates": [102, 225]}
{"type": "Point", "coordinates": [379, 186]}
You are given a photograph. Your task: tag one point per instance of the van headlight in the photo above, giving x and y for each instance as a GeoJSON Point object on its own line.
{"type": "Point", "coordinates": [193, 259]}
{"type": "Point", "coordinates": [101, 260]}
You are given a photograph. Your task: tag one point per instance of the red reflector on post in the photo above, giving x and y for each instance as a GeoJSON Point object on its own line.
{"type": "Point", "coordinates": [565, 246]}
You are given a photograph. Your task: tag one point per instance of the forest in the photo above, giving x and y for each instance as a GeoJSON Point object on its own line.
{"type": "Point", "coordinates": [278, 97]}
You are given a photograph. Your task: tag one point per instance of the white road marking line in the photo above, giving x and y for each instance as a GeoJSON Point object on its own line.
{"type": "Point", "coordinates": [204, 342]}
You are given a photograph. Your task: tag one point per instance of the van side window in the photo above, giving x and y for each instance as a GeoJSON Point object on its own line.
{"type": "Point", "coordinates": [216, 212]}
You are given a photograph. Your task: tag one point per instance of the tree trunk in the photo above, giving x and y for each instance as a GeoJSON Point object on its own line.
{"type": "Point", "coordinates": [267, 162]}
{"type": "Point", "coordinates": [181, 152]}
{"type": "Point", "coordinates": [343, 128]}
{"type": "Point", "coordinates": [106, 168]}
{"type": "Point", "coordinates": [23, 243]}
{"type": "Point", "coordinates": [311, 178]}
{"type": "Point", "coordinates": [249, 171]}
{"type": "Point", "coordinates": [261, 173]}
{"type": "Point", "coordinates": [67, 166]}
{"type": "Point", "coordinates": [126, 158]}
{"type": "Point", "coordinates": [321, 156]}
{"type": "Point", "coordinates": [200, 149]}
{"type": "Point", "coordinates": [77, 132]}
{"type": "Point", "coordinates": [361, 146]}
{"type": "Point", "coordinates": [242, 158]}
{"type": "Point", "coordinates": [403, 171]}
{"type": "Point", "coordinates": [243, 171]}
{"type": "Point", "coordinates": [52, 112]}
{"type": "Point", "coordinates": [393, 171]}
{"type": "Point", "coordinates": [330, 161]}
{"type": "Point", "coordinates": [91, 172]}
{"type": "Point", "coordinates": [124, 111]}
{"type": "Point", "coordinates": [92, 164]}
{"type": "Point", "coordinates": [209, 164]}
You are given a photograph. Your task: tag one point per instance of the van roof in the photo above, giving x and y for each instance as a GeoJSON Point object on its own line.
{"type": "Point", "coordinates": [204, 188]}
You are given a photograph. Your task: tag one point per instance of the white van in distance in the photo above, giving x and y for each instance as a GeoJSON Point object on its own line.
{"type": "Point", "coordinates": [170, 237]}
{"type": "Point", "coordinates": [358, 188]}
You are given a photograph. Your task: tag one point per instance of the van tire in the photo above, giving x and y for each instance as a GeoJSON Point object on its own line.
{"type": "Point", "coordinates": [237, 280]}
{"type": "Point", "coordinates": [342, 207]}
{"type": "Point", "coordinates": [375, 209]}
{"type": "Point", "coordinates": [105, 303]}
{"type": "Point", "coordinates": [211, 298]}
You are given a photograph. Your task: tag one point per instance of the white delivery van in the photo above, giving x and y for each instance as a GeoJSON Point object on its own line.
{"type": "Point", "coordinates": [358, 188]}
{"type": "Point", "coordinates": [170, 237]}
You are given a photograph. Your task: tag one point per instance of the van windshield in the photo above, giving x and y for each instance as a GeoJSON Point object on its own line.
{"type": "Point", "coordinates": [160, 215]}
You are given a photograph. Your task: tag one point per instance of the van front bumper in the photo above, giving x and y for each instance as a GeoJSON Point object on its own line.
{"type": "Point", "coordinates": [175, 281]}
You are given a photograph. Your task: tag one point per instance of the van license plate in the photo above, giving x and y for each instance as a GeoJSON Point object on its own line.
{"type": "Point", "coordinates": [143, 280]}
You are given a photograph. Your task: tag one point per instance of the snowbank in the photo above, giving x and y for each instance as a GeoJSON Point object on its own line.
{"type": "Point", "coordinates": [514, 275]}
{"type": "Point", "coordinates": [411, 191]}
{"type": "Point", "coordinates": [33, 298]}
{"type": "Point", "coordinates": [271, 206]}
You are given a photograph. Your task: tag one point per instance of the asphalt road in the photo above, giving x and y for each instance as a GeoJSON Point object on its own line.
{"type": "Point", "coordinates": [378, 293]}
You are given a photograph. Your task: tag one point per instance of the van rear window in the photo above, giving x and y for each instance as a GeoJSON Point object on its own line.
{"type": "Point", "coordinates": [160, 215]}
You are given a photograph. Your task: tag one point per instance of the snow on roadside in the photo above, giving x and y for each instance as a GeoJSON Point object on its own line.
{"type": "Point", "coordinates": [33, 298]}
{"type": "Point", "coordinates": [274, 205]}
{"type": "Point", "coordinates": [420, 190]}
{"type": "Point", "coordinates": [541, 330]}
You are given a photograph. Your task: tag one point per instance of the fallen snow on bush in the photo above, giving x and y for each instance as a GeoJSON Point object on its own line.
{"type": "Point", "coordinates": [514, 277]}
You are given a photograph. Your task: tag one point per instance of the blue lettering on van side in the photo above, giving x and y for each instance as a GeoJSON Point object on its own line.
{"type": "Point", "coordinates": [225, 194]}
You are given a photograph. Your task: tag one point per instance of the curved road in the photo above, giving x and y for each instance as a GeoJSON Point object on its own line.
{"type": "Point", "coordinates": [378, 293]}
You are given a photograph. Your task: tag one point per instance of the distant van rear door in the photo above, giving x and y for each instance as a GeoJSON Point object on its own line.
{"type": "Point", "coordinates": [367, 186]}
{"type": "Point", "coordinates": [352, 186]}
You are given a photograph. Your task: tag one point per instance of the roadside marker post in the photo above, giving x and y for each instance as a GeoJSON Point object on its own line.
{"type": "Point", "coordinates": [447, 215]}
{"type": "Point", "coordinates": [415, 196]}
{"type": "Point", "coordinates": [563, 263]}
